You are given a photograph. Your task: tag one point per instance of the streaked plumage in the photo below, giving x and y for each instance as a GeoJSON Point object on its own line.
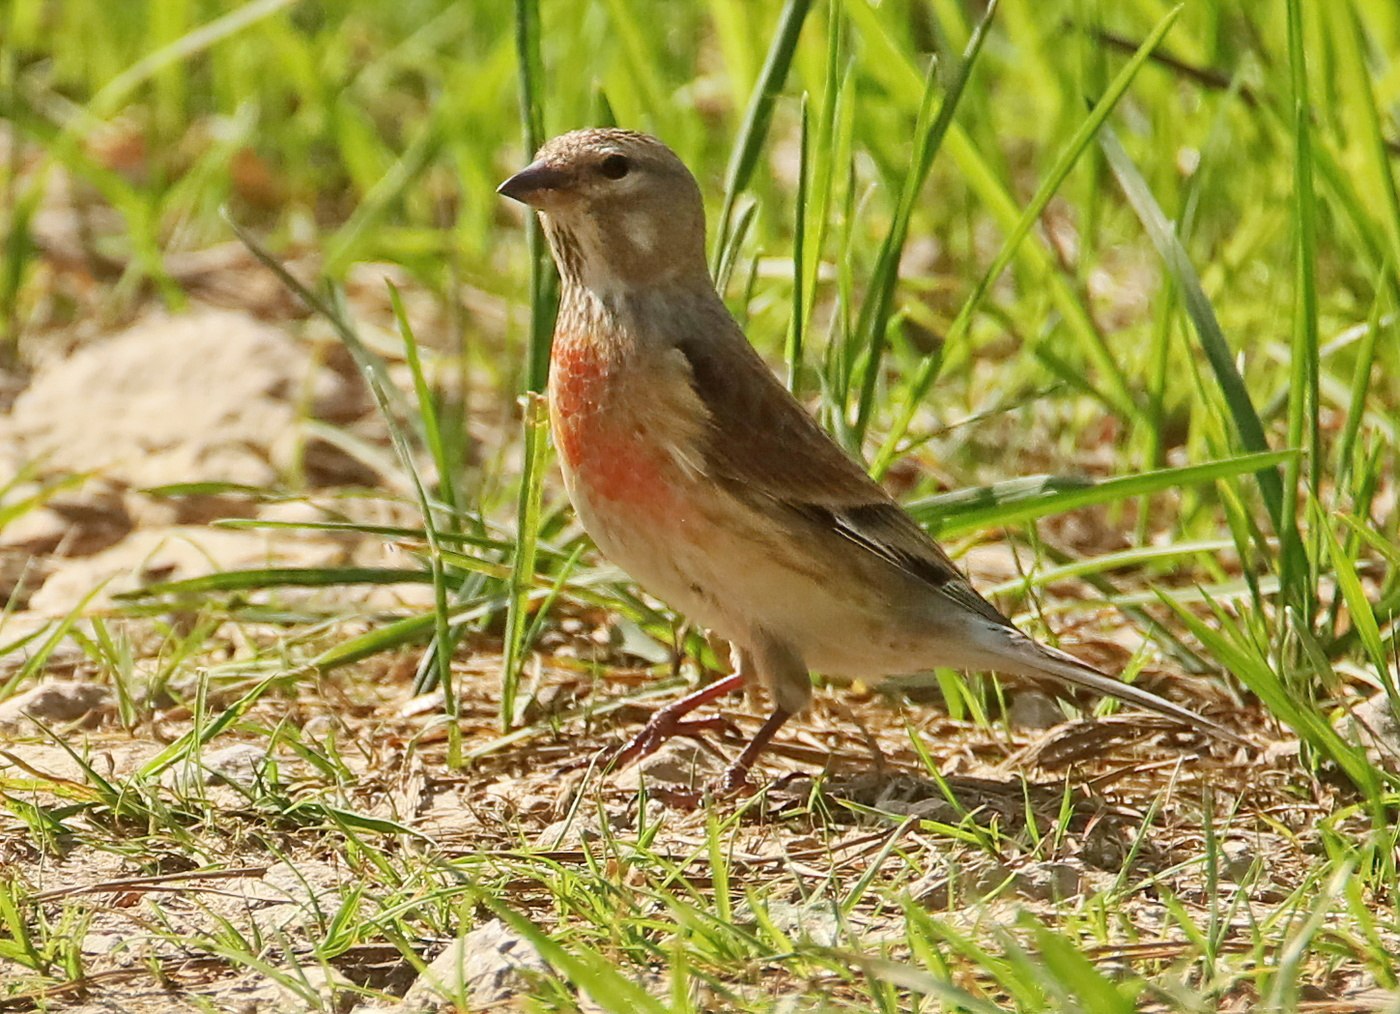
{"type": "Point", "coordinates": [697, 472]}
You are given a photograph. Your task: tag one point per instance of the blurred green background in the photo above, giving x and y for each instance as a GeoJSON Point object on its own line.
{"type": "Point", "coordinates": [1142, 304]}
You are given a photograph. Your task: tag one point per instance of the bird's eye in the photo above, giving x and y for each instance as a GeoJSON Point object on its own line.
{"type": "Point", "coordinates": [614, 167]}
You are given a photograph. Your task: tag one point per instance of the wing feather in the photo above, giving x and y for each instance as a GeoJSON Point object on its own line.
{"type": "Point", "coordinates": [762, 441]}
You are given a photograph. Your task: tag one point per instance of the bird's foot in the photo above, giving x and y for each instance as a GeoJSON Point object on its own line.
{"type": "Point", "coordinates": [671, 721]}
{"type": "Point", "coordinates": [733, 784]}
{"type": "Point", "coordinates": [658, 730]}
{"type": "Point", "coordinates": [735, 781]}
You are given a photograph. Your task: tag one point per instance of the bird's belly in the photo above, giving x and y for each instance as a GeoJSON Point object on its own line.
{"type": "Point", "coordinates": [704, 561]}
{"type": "Point", "coordinates": [657, 536]}
{"type": "Point", "coordinates": [622, 466]}
{"type": "Point", "coordinates": [862, 619]}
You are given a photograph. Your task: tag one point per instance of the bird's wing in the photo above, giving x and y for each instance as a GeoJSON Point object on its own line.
{"type": "Point", "coordinates": [763, 442]}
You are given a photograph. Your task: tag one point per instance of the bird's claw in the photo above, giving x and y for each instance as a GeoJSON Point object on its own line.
{"type": "Point", "coordinates": [658, 730]}
{"type": "Point", "coordinates": [733, 784]}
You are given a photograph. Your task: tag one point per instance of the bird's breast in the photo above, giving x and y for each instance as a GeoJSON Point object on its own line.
{"type": "Point", "coordinates": [604, 420]}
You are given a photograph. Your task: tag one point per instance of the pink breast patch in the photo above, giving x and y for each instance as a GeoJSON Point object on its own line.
{"type": "Point", "coordinates": [599, 433]}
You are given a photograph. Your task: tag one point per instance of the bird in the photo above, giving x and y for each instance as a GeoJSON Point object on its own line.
{"type": "Point", "coordinates": [696, 471]}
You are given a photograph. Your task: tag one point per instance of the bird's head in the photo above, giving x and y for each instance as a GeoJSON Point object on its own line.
{"type": "Point", "coordinates": [619, 208]}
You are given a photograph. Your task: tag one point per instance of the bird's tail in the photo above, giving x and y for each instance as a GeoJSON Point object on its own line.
{"type": "Point", "coordinates": [1057, 665]}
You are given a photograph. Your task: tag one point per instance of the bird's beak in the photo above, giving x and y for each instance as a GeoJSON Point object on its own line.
{"type": "Point", "coordinates": [530, 184]}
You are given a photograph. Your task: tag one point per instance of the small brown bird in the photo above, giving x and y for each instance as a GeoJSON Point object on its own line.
{"type": "Point", "coordinates": [696, 471]}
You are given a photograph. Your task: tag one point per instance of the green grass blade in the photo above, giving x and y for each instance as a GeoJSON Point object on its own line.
{"type": "Point", "coordinates": [11, 512]}
{"type": "Point", "coordinates": [1304, 404]}
{"type": "Point", "coordinates": [1283, 702]}
{"type": "Point", "coordinates": [544, 283]}
{"type": "Point", "coordinates": [909, 977]}
{"type": "Point", "coordinates": [386, 396]}
{"type": "Point", "coordinates": [1218, 353]}
{"type": "Point", "coordinates": [1078, 977]}
{"type": "Point", "coordinates": [730, 256]}
{"type": "Point", "coordinates": [792, 353]}
{"type": "Point", "coordinates": [203, 733]}
{"type": "Point", "coordinates": [387, 637]}
{"type": "Point", "coordinates": [1359, 607]}
{"type": "Point", "coordinates": [347, 246]}
{"type": "Point", "coordinates": [276, 577]}
{"type": "Point", "coordinates": [753, 132]}
{"type": "Point", "coordinates": [590, 972]}
{"type": "Point", "coordinates": [646, 83]}
{"type": "Point", "coordinates": [1248, 427]}
{"type": "Point", "coordinates": [1039, 496]}
{"type": "Point", "coordinates": [1349, 37]}
{"type": "Point", "coordinates": [189, 45]}
{"type": "Point", "coordinates": [874, 319]}
{"type": "Point", "coordinates": [522, 576]}
{"type": "Point", "coordinates": [444, 637]}
{"type": "Point", "coordinates": [36, 662]}
{"type": "Point", "coordinates": [1088, 566]}
{"type": "Point", "coordinates": [1360, 388]}
{"type": "Point", "coordinates": [1117, 393]}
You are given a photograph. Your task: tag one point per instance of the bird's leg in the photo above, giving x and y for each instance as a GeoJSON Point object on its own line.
{"type": "Point", "coordinates": [737, 777]}
{"type": "Point", "coordinates": [670, 721]}
{"type": "Point", "coordinates": [785, 674]}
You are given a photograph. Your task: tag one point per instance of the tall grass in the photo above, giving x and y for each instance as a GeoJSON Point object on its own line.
{"type": "Point", "coordinates": [896, 145]}
{"type": "Point", "coordinates": [1130, 258]}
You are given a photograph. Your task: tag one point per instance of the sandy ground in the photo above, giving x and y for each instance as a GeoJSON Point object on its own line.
{"type": "Point", "coordinates": [218, 882]}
